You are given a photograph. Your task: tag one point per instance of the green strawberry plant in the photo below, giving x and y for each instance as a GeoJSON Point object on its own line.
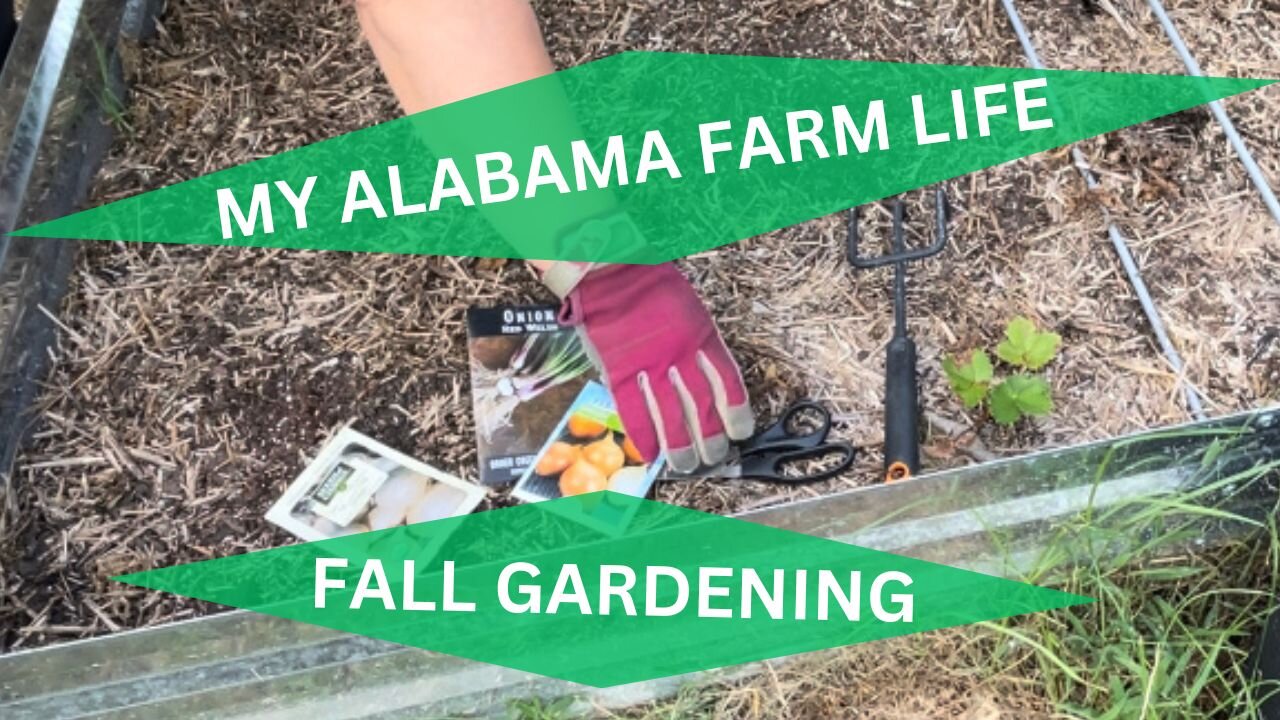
{"type": "Point", "coordinates": [1026, 347]}
{"type": "Point", "coordinates": [1019, 395]}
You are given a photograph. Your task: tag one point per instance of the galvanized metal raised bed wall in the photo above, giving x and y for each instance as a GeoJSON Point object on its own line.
{"type": "Point", "coordinates": [1000, 517]}
{"type": "Point", "coordinates": [61, 79]}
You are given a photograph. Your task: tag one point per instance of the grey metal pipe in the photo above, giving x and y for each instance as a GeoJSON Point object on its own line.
{"type": "Point", "coordinates": [1228, 128]}
{"type": "Point", "coordinates": [1118, 240]}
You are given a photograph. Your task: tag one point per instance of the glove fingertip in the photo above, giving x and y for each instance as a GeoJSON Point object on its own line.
{"type": "Point", "coordinates": [683, 460]}
{"type": "Point", "coordinates": [739, 421]}
{"type": "Point", "coordinates": [714, 449]}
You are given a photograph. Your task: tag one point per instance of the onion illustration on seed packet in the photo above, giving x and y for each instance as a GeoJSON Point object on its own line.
{"type": "Point", "coordinates": [589, 457]}
{"type": "Point", "coordinates": [582, 477]}
{"type": "Point", "coordinates": [333, 529]}
{"type": "Point", "coordinates": [440, 501]}
{"type": "Point", "coordinates": [391, 502]}
{"type": "Point", "coordinates": [407, 498]}
{"type": "Point", "coordinates": [558, 457]}
{"type": "Point", "coordinates": [604, 454]}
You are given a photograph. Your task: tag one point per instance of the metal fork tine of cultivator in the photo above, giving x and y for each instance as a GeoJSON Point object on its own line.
{"type": "Point", "coordinates": [897, 255]}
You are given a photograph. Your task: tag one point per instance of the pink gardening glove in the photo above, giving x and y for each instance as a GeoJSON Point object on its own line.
{"type": "Point", "coordinates": [677, 389]}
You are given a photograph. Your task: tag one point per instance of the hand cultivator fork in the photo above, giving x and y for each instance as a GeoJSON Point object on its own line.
{"type": "Point", "coordinates": [901, 397]}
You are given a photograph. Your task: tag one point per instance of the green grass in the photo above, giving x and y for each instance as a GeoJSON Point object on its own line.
{"type": "Point", "coordinates": [1173, 624]}
{"type": "Point", "coordinates": [112, 105]}
{"type": "Point", "coordinates": [538, 709]}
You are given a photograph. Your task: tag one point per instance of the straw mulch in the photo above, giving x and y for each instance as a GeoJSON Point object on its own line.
{"type": "Point", "coordinates": [191, 384]}
{"type": "Point", "coordinates": [1208, 247]}
{"type": "Point", "coordinates": [923, 676]}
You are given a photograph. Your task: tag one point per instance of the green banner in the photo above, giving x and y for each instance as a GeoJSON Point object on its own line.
{"type": "Point", "coordinates": [693, 151]}
{"type": "Point", "coordinates": [603, 589]}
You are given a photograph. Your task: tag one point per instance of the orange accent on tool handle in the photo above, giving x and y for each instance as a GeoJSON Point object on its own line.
{"type": "Point", "coordinates": [897, 471]}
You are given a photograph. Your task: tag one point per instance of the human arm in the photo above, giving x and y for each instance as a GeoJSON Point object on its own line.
{"type": "Point", "coordinates": [677, 388]}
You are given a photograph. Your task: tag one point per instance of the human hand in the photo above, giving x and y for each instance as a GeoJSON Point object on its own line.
{"type": "Point", "coordinates": [677, 389]}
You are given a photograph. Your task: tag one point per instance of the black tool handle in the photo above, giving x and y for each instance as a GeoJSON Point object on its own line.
{"type": "Point", "coordinates": [901, 410]}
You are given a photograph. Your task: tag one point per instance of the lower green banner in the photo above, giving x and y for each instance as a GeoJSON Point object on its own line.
{"type": "Point", "coordinates": [603, 589]}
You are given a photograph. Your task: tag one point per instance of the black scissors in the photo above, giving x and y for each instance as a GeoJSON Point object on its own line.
{"type": "Point", "coordinates": [788, 451]}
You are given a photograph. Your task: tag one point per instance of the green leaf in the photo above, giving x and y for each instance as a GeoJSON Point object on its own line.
{"type": "Point", "coordinates": [970, 381]}
{"type": "Point", "coordinates": [1027, 347]}
{"type": "Point", "coordinates": [1019, 396]}
{"type": "Point", "coordinates": [1211, 453]}
{"type": "Point", "coordinates": [1004, 407]}
{"type": "Point", "coordinates": [605, 416]}
{"type": "Point", "coordinates": [1043, 347]}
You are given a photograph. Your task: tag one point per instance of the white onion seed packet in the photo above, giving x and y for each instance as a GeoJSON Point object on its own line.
{"type": "Point", "coordinates": [356, 484]}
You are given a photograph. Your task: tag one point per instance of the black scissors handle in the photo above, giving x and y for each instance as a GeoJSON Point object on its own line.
{"type": "Point", "coordinates": [780, 435]}
{"type": "Point", "coordinates": [772, 466]}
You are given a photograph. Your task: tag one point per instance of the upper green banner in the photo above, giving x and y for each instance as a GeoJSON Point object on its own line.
{"type": "Point", "coordinates": [679, 153]}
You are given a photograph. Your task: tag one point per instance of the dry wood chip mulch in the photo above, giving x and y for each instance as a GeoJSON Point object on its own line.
{"type": "Point", "coordinates": [191, 384]}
